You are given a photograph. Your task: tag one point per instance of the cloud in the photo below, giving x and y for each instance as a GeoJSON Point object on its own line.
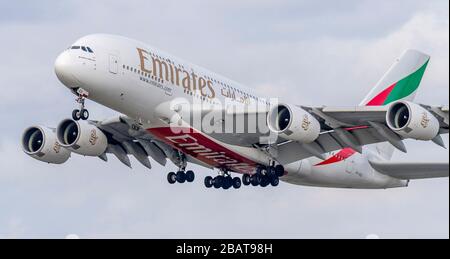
{"type": "Point", "coordinates": [308, 52]}
{"type": "Point", "coordinates": [29, 11]}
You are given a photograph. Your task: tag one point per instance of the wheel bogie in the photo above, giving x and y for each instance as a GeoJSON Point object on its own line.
{"type": "Point", "coordinates": [265, 176]}
{"type": "Point", "coordinates": [82, 114]}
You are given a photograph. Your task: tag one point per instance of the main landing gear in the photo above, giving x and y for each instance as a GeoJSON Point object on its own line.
{"type": "Point", "coordinates": [181, 177]}
{"type": "Point", "coordinates": [82, 113]}
{"type": "Point", "coordinates": [264, 176]}
{"type": "Point", "coordinates": [224, 181]}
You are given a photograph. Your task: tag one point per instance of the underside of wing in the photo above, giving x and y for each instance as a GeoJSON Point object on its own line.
{"type": "Point", "coordinates": [338, 117]}
{"type": "Point", "coordinates": [126, 138]}
{"type": "Point", "coordinates": [412, 171]}
{"type": "Point", "coordinates": [360, 126]}
{"type": "Point", "coordinates": [327, 142]}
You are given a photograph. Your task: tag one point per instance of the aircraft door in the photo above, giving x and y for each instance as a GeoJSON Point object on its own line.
{"type": "Point", "coordinates": [113, 64]}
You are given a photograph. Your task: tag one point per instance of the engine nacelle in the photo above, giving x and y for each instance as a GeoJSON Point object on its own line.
{"type": "Point", "coordinates": [40, 143]}
{"type": "Point", "coordinates": [412, 121]}
{"type": "Point", "coordinates": [81, 137]}
{"type": "Point", "coordinates": [293, 123]}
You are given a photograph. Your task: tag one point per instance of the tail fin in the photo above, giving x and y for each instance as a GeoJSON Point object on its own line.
{"type": "Point", "coordinates": [401, 82]}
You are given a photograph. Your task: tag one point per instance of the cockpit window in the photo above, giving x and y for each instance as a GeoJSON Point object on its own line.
{"type": "Point", "coordinates": [83, 48]}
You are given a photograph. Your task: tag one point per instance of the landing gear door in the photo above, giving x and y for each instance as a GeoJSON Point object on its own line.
{"type": "Point", "coordinates": [113, 64]}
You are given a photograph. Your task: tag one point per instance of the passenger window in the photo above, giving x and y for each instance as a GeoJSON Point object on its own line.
{"type": "Point", "coordinates": [75, 47]}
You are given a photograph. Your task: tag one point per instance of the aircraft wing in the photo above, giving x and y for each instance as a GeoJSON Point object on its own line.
{"type": "Point", "coordinates": [412, 171]}
{"type": "Point", "coordinates": [125, 138]}
{"type": "Point", "coordinates": [342, 128]}
{"type": "Point", "coordinates": [358, 116]}
{"type": "Point", "coordinates": [353, 127]}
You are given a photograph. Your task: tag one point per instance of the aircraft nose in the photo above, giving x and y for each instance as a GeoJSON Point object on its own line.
{"type": "Point", "coordinates": [65, 69]}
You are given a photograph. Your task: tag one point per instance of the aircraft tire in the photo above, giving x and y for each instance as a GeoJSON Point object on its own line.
{"type": "Point", "coordinates": [279, 170]}
{"type": "Point", "coordinates": [227, 183]}
{"type": "Point", "coordinates": [181, 177]}
{"type": "Point", "coordinates": [84, 114]}
{"type": "Point", "coordinates": [237, 183]}
{"type": "Point", "coordinates": [190, 176]}
{"type": "Point", "coordinates": [209, 182]}
{"type": "Point", "coordinates": [246, 179]}
{"type": "Point", "coordinates": [256, 180]}
{"type": "Point", "coordinates": [275, 181]}
{"type": "Point", "coordinates": [172, 178]}
{"type": "Point", "coordinates": [265, 181]}
{"type": "Point", "coordinates": [76, 115]}
{"type": "Point", "coordinates": [218, 182]}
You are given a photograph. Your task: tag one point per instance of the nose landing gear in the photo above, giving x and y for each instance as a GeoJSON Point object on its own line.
{"type": "Point", "coordinates": [82, 113]}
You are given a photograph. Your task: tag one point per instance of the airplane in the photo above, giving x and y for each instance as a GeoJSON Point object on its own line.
{"type": "Point", "coordinates": [172, 110]}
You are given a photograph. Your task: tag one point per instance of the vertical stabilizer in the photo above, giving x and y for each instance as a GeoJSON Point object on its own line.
{"type": "Point", "coordinates": [401, 82]}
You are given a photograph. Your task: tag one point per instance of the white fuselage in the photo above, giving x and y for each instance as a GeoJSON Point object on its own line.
{"type": "Point", "coordinates": [142, 83]}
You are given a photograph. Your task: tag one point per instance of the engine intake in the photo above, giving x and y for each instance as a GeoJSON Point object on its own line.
{"type": "Point", "coordinates": [81, 137]}
{"type": "Point", "coordinates": [40, 143]}
{"type": "Point", "coordinates": [410, 120]}
{"type": "Point", "coordinates": [293, 123]}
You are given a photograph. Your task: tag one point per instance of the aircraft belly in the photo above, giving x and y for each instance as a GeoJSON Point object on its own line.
{"type": "Point", "coordinates": [210, 151]}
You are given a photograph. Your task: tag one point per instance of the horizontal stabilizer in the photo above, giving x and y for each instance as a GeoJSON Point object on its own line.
{"type": "Point", "coordinates": [412, 171]}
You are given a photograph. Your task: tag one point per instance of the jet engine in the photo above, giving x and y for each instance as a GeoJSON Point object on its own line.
{"type": "Point", "coordinates": [293, 123]}
{"type": "Point", "coordinates": [410, 120]}
{"type": "Point", "coordinates": [40, 143]}
{"type": "Point", "coordinates": [81, 137]}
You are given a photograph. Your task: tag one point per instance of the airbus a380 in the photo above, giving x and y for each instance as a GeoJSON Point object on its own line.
{"type": "Point", "coordinates": [172, 110]}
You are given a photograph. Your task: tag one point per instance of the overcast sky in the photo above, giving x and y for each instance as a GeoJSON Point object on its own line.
{"type": "Point", "coordinates": [307, 52]}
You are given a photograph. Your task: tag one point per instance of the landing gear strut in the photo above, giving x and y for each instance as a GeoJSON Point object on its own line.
{"type": "Point", "coordinates": [224, 181]}
{"type": "Point", "coordinates": [82, 113]}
